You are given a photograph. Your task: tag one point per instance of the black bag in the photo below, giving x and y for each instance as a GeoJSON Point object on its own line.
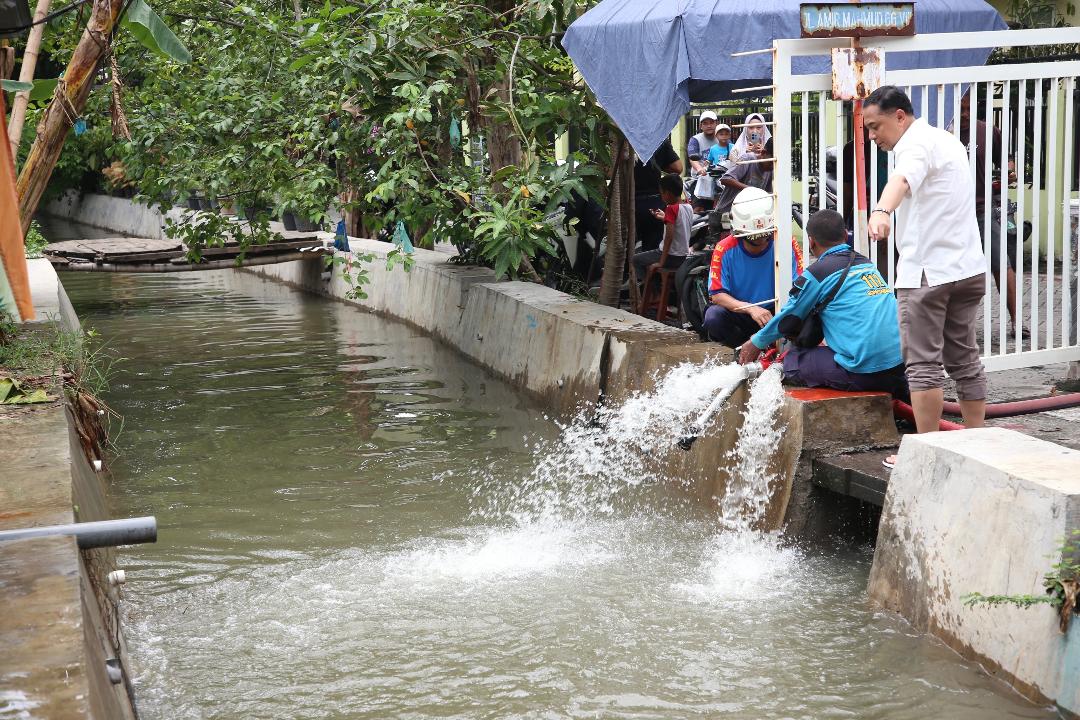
{"type": "Point", "coordinates": [808, 332]}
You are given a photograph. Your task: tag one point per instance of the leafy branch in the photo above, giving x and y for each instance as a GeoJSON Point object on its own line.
{"type": "Point", "coordinates": [1062, 586]}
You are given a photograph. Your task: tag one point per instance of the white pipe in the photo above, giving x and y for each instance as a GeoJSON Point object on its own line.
{"type": "Point", "coordinates": [750, 371]}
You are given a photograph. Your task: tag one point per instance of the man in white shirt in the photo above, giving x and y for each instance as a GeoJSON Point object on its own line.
{"type": "Point", "coordinates": [941, 272]}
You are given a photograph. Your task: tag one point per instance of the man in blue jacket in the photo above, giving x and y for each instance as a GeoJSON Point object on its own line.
{"type": "Point", "coordinates": [862, 336]}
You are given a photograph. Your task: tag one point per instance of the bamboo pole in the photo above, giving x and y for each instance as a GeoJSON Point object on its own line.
{"type": "Point", "coordinates": [26, 74]}
{"type": "Point", "coordinates": [67, 104]}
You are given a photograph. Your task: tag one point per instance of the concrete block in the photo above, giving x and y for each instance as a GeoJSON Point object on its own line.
{"type": "Point", "coordinates": [837, 421]}
{"type": "Point", "coordinates": [983, 511]}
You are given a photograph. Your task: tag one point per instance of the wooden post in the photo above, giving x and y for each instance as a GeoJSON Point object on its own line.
{"type": "Point", "coordinates": [67, 104]}
{"type": "Point", "coordinates": [26, 74]}
{"type": "Point", "coordinates": [7, 59]}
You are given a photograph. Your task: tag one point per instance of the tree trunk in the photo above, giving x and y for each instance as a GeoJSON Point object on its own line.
{"type": "Point", "coordinates": [620, 217]}
{"type": "Point", "coordinates": [26, 74]}
{"type": "Point", "coordinates": [504, 145]}
{"type": "Point", "coordinates": [66, 105]}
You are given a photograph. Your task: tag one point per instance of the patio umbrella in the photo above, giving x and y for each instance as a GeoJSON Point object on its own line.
{"type": "Point", "coordinates": [647, 60]}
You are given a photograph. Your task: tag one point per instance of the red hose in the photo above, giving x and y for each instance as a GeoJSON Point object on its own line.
{"type": "Point", "coordinates": [903, 410]}
{"type": "Point", "coordinates": [1023, 407]}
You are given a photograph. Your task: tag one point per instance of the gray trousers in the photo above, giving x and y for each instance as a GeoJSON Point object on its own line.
{"type": "Point", "coordinates": [937, 329]}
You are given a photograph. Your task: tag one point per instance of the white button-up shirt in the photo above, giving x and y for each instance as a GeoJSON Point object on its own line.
{"type": "Point", "coordinates": [937, 232]}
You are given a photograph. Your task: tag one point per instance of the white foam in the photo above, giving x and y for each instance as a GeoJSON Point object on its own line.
{"type": "Point", "coordinates": [600, 455]}
{"type": "Point", "coordinates": [739, 566]}
{"type": "Point", "coordinates": [498, 553]}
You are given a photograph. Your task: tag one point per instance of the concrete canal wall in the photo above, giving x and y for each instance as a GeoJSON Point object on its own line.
{"type": "Point", "coordinates": [120, 215]}
{"type": "Point", "coordinates": [59, 624]}
{"type": "Point", "coordinates": [984, 511]}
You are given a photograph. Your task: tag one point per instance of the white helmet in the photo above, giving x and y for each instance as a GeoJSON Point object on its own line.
{"type": "Point", "coordinates": [753, 212]}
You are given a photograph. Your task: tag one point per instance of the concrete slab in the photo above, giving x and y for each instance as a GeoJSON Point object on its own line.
{"type": "Point", "coordinates": [836, 421]}
{"type": "Point", "coordinates": [857, 475]}
{"type": "Point", "coordinates": [41, 627]}
{"type": "Point", "coordinates": [983, 511]}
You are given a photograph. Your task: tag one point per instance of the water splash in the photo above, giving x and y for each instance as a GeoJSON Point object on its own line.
{"type": "Point", "coordinates": [599, 455]}
{"type": "Point", "coordinates": [585, 476]}
{"type": "Point", "coordinates": [748, 493]}
{"type": "Point", "coordinates": [587, 469]}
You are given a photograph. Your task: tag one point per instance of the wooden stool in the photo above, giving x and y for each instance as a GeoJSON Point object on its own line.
{"type": "Point", "coordinates": [650, 299]}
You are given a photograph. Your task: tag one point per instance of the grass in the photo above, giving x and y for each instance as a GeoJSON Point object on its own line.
{"type": "Point", "coordinates": [41, 354]}
{"type": "Point", "coordinates": [35, 241]}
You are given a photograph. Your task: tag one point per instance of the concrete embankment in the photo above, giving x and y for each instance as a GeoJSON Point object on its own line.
{"type": "Point", "coordinates": [59, 625]}
{"type": "Point", "coordinates": [984, 511]}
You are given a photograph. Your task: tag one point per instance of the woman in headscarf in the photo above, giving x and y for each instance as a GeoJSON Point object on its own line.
{"type": "Point", "coordinates": [752, 139]}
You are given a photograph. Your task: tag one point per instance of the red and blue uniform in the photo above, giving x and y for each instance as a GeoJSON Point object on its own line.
{"type": "Point", "coordinates": [749, 279]}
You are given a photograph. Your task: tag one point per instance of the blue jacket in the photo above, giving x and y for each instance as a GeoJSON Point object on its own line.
{"type": "Point", "coordinates": [860, 323]}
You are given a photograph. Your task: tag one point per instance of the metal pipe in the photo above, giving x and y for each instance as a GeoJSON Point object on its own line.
{"type": "Point", "coordinates": [89, 535]}
{"type": "Point", "coordinates": [750, 370]}
{"type": "Point", "coordinates": [754, 89]}
{"type": "Point", "coordinates": [744, 53]}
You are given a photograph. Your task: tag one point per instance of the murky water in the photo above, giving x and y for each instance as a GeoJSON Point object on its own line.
{"type": "Point", "coordinates": [328, 547]}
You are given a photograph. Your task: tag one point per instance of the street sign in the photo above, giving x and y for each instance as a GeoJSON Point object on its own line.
{"type": "Point", "coordinates": [857, 20]}
{"type": "Point", "coordinates": [856, 72]}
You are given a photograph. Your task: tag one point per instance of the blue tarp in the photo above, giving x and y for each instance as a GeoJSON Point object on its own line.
{"type": "Point", "coordinates": [647, 60]}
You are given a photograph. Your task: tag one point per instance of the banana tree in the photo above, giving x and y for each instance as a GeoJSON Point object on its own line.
{"type": "Point", "coordinates": [69, 97]}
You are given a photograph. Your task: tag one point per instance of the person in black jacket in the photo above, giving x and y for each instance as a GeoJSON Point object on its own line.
{"type": "Point", "coordinates": [650, 231]}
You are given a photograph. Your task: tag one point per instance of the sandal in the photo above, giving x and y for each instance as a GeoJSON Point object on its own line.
{"type": "Point", "coordinates": [889, 462]}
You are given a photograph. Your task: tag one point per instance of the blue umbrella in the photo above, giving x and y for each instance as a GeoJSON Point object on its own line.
{"type": "Point", "coordinates": [647, 60]}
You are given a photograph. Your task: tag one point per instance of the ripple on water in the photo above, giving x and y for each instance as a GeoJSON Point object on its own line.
{"type": "Point", "coordinates": [322, 556]}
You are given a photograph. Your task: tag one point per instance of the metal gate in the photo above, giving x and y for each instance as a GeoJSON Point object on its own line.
{"type": "Point", "coordinates": [1034, 108]}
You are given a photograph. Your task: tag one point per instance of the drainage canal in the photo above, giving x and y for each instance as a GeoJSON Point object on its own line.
{"type": "Point", "coordinates": [357, 523]}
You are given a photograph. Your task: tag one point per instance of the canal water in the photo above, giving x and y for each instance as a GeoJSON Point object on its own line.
{"type": "Point", "coordinates": [342, 535]}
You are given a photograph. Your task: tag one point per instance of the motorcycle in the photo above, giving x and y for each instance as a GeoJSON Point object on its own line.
{"type": "Point", "coordinates": [581, 226]}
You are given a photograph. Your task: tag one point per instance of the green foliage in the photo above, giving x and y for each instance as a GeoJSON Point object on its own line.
{"type": "Point", "coordinates": [85, 156]}
{"type": "Point", "coordinates": [351, 107]}
{"type": "Point", "coordinates": [34, 241]}
{"type": "Point", "coordinates": [1061, 584]}
{"type": "Point", "coordinates": [15, 85]}
{"type": "Point", "coordinates": [1025, 14]}
{"type": "Point", "coordinates": [41, 89]}
{"type": "Point", "coordinates": [149, 29]}
{"type": "Point", "coordinates": [200, 230]}
{"type": "Point", "coordinates": [40, 353]}
{"type": "Point", "coordinates": [1020, 601]}
{"type": "Point", "coordinates": [354, 272]}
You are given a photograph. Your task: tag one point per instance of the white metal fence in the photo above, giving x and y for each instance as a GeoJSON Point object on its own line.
{"type": "Point", "coordinates": [1033, 106]}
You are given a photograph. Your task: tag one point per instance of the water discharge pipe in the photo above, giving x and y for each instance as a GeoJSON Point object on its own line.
{"type": "Point", "coordinates": [89, 535]}
{"type": "Point", "coordinates": [1023, 407]}
{"type": "Point", "coordinates": [750, 371]}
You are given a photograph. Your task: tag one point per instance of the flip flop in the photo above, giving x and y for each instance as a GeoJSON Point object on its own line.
{"type": "Point", "coordinates": [889, 462]}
